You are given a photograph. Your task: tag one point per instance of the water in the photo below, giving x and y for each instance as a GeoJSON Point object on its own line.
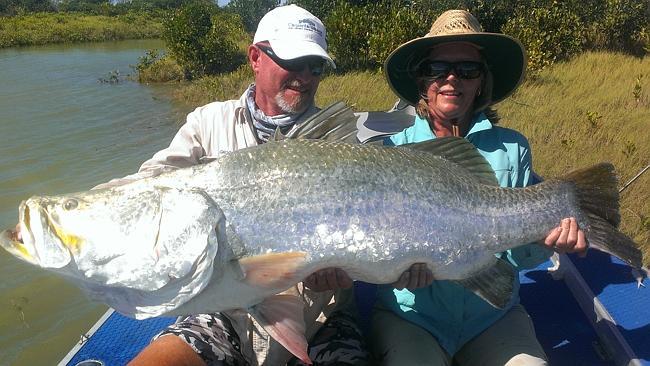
{"type": "Point", "coordinates": [63, 131]}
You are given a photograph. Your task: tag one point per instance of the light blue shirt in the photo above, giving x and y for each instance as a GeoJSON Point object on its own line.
{"type": "Point", "coordinates": [452, 314]}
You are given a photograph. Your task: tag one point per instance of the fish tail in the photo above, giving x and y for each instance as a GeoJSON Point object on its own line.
{"type": "Point", "coordinates": [598, 198]}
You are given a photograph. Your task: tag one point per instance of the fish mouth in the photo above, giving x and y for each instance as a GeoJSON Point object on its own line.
{"type": "Point", "coordinates": [41, 243]}
{"type": "Point", "coordinates": [16, 248]}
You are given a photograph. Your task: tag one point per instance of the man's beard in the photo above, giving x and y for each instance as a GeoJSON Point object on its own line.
{"type": "Point", "coordinates": [299, 103]}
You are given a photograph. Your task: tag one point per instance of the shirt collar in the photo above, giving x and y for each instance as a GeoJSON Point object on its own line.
{"type": "Point", "coordinates": [479, 123]}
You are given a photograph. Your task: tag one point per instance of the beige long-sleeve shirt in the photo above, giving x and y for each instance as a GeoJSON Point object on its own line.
{"type": "Point", "coordinates": [212, 130]}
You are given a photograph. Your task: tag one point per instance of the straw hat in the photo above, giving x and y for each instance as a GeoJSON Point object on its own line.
{"type": "Point", "coordinates": [505, 56]}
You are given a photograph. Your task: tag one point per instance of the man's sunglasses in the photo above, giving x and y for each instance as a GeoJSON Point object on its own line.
{"type": "Point", "coordinates": [315, 64]}
{"type": "Point", "coordinates": [442, 69]}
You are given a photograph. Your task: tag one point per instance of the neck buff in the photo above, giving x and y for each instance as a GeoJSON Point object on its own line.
{"type": "Point", "coordinates": [265, 126]}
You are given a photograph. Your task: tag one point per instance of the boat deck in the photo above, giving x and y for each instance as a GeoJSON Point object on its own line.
{"type": "Point", "coordinates": [594, 314]}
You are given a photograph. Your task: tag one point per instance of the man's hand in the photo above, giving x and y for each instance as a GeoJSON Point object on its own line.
{"type": "Point", "coordinates": [16, 234]}
{"type": "Point", "coordinates": [328, 279]}
{"type": "Point", "coordinates": [567, 238]}
{"type": "Point", "coordinates": [418, 275]}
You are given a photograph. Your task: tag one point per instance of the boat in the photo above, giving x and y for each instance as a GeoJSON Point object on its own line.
{"type": "Point", "coordinates": [592, 311]}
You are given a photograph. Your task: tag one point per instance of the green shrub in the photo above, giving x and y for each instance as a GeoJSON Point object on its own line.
{"type": "Point", "coordinates": [392, 26]}
{"type": "Point", "coordinates": [43, 28]}
{"type": "Point", "coordinates": [203, 39]}
{"type": "Point", "coordinates": [251, 11]}
{"type": "Point", "coordinates": [347, 29]}
{"type": "Point", "coordinates": [361, 37]}
{"type": "Point", "coordinates": [320, 8]}
{"type": "Point", "coordinates": [549, 33]}
{"type": "Point", "coordinates": [163, 69]}
{"type": "Point", "coordinates": [621, 26]}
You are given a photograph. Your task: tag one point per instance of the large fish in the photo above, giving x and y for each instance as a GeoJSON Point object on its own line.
{"type": "Point", "coordinates": [232, 233]}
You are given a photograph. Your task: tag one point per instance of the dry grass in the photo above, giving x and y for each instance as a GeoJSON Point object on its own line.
{"type": "Point", "coordinates": [365, 91]}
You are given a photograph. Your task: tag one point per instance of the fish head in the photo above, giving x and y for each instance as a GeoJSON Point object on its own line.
{"type": "Point", "coordinates": [139, 241]}
{"type": "Point", "coordinates": [58, 229]}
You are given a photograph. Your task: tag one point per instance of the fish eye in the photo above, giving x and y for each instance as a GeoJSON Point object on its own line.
{"type": "Point", "coordinates": [70, 204]}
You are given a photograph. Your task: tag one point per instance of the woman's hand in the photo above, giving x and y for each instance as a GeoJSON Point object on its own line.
{"type": "Point", "coordinates": [328, 279]}
{"type": "Point", "coordinates": [418, 275]}
{"type": "Point", "coordinates": [567, 238]}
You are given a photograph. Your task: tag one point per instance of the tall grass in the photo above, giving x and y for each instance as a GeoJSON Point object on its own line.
{"type": "Point", "coordinates": [43, 28]}
{"type": "Point", "coordinates": [594, 108]}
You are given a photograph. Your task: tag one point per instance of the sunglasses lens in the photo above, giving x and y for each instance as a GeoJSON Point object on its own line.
{"type": "Point", "coordinates": [441, 69]}
{"type": "Point", "coordinates": [315, 64]}
{"type": "Point", "coordinates": [435, 69]}
{"type": "Point", "coordinates": [468, 70]}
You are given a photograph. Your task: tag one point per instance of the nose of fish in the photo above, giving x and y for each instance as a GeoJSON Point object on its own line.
{"type": "Point", "coordinates": [17, 248]}
{"type": "Point", "coordinates": [39, 246]}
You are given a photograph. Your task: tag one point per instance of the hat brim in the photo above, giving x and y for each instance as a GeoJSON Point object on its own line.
{"type": "Point", "coordinates": [504, 55]}
{"type": "Point", "coordinates": [297, 49]}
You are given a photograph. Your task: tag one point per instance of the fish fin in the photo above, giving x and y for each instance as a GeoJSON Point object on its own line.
{"type": "Point", "coordinates": [336, 122]}
{"type": "Point", "coordinates": [598, 197]}
{"type": "Point", "coordinates": [282, 318]}
{"type": "Point", "coordinates": [273, 269]}
{"type": "Point", "coordinates": [493, 284]}
{"type": "Point", "coordinates": [461, 152]}
{"type": "Point", "coordinates": [277, 135]}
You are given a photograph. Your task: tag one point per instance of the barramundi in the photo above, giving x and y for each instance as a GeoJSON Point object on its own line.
{"type": "Point", "coordinates": [235, 232]}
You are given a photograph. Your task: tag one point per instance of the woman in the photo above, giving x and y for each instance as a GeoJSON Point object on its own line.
{"type": "Point", "coordinates": [452, 75]}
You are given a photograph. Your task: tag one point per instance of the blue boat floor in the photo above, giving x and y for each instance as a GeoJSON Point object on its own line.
{"type": "Point", "coordinates": [119, 339]}
{"type": "Point", "coordinates": [561, 327]}
{"type": "Point", "coordinates": [627, 305]}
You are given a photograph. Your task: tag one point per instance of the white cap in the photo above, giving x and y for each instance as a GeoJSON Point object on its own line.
{"type": "Point", "coordinates": [293, 32]}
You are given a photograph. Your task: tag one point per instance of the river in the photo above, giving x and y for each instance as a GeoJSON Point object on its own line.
{"type": "Point", "coordinates": [62, 131]}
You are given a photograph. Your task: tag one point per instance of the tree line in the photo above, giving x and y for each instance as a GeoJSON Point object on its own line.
{"type": "Point", "coordinates": [207, 39]}
{"type": "Point", "coordinates": [361, 33]}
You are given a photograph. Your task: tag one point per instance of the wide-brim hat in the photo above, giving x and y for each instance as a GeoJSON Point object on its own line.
{"type": "Point", "coordinates": [505, 56]}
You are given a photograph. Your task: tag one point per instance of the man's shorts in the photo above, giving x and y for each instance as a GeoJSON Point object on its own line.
{"type": "Point", "coordinates": [213, 338]}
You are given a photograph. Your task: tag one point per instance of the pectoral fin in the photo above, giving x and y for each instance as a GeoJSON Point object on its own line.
{"type": "Point", "coordinates": [273, 269]}
{"type": "Point", "coordinates": [493, 284]}
{"type": "Point", "coordinates": [282, 317]}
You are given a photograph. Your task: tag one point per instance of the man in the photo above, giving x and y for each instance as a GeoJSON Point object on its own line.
{"type": "Point", "coordinates": [288, 55]}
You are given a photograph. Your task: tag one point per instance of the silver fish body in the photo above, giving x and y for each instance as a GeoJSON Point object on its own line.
{"type": "Point", "coordinates": [372, 211]}
{"type": "Point", "coordinates": [151, 247]}
{"type": "Point", "coordinates": [232, 233]}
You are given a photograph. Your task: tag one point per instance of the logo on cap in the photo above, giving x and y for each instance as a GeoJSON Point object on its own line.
{"type": "Point", "coordinates": [307, 25]}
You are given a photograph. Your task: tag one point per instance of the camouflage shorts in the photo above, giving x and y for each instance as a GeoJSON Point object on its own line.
{"type": "Point", "coordinates": [338, 342]}
{"type": "Point", "coordinates": [211, 336]}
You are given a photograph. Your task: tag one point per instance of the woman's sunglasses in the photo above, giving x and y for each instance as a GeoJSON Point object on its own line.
{"type": "Point", "coordinates": [442, 69]}
{"type": "Point", "coordinates": [315, 64]}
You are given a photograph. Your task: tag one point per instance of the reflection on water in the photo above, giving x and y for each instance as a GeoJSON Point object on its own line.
{"type": "Point", "coordinates": [63, 131]}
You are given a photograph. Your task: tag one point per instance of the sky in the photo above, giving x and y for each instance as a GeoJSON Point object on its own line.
{"type": "Point", "coordinates": [222, 2]}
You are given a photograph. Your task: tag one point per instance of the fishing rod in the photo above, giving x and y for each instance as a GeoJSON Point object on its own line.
{"type": "Point", "coordinates": [635, 178]}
